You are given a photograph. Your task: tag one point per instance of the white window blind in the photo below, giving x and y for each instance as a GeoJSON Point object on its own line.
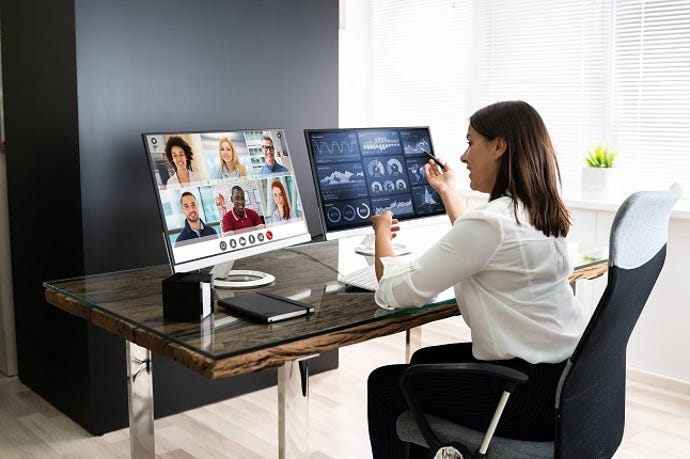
{"type": "Point", "coordinates": [415, 67]}
{"type": "Point", "coordinates": [651, 92]}
{"type": "Point", "coordinates": [598, 71]}
{"type": "Point", "coordinates": [553, 55]}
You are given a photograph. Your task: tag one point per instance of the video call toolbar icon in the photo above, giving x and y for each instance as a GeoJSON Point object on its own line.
{"type": "Point", "coordinates": [242, 241]}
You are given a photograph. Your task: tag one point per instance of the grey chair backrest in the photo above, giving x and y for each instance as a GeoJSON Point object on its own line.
{"type": "Point", "coordinates": [590, 404]}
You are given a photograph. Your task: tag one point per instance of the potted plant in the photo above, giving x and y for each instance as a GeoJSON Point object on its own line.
{"type": "Point", "coordinates": [598, 175]}
{"type": "Point", "coordinates": [601, 156]}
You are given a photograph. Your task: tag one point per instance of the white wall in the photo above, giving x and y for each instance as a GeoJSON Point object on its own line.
{"type": "Point", "coordinates": [660, 342]}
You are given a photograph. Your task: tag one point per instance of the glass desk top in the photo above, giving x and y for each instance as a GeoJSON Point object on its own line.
{"type": "Point", "coordinates": [129, 303]}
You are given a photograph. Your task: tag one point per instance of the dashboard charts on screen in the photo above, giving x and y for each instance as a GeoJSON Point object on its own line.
{"type": "Point", "coordinates": [365, 171]}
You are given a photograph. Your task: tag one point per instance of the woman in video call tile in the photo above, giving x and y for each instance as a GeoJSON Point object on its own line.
{"type": "Point", "coordinates": [238, 217]}
{"type": "Point", "coordinates": [230, 165]}
{"type": "Point", "coordinates": [283, 212]}
{"type": "Point", "coordinates": [180, 155]}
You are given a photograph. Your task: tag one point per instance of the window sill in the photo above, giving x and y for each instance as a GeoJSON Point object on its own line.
{"type": "Point", "coordinates": [680, 211]}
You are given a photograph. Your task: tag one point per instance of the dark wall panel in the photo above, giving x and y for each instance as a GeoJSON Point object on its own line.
{"type": "Point", "coordinates": [180, 65]}
{"type": "Point", "coordinates": [82, 80]}
{"type": "Point", "coordinates": [39, 62]}
{"type": "Point", "coordinates": [177, 65]}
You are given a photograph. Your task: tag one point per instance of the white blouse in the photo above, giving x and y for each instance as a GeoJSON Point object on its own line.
{"type": "Point", "coordinates": [510, 282]}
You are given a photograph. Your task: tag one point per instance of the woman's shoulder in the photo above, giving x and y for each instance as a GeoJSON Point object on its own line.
{"type": "Point", "coordinates": [495, 215]}
{"type": "Point", "coordinates": [492, 210]}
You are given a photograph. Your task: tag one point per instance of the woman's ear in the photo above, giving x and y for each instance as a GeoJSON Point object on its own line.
{"type": "Point", "coordinates": [500, 147]}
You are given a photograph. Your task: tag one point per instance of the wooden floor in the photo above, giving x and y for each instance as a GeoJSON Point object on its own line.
{"type": "Point", "coordinates": [657, 425]}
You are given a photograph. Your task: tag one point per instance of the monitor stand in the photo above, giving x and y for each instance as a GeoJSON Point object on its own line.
{"type": "Point", "coordinates": [366, 247]}
{"type": "Point", "coordinates": [223, 276]}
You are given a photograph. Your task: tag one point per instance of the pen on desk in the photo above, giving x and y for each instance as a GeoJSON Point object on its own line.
{"type": "Point", "coordinates": [435, 159]}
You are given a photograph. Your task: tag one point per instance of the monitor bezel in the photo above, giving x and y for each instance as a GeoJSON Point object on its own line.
{"type": "Point", "coordinates": [364, 228]}
{"type": "Point", "coordinates": [223, 257]}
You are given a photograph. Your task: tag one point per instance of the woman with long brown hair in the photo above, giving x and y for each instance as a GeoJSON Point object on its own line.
{"type": "Point", "coordinates": [283, 212]}
{"type": "Point", "coordinates": [508, 264]}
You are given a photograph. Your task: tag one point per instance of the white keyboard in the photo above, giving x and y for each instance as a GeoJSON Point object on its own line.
{"type": "Point", "coordinates": [363, 278]}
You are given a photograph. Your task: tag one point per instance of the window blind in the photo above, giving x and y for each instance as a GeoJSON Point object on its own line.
{"type": "Point", "coordinates": [598, 71]}
{"type": "Point", "coordinates": [416, 67]}
{"type": "Point", "coordinates": [552, 55]}
{"type": "Point", "coordinates": [651, 92]}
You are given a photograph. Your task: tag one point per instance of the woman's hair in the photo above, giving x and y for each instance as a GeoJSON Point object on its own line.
{"type": "Point", "coordinates": [528, 171]}
{"type": "Point", "coordinates": [177, 141]}
{"type": "Point", "coordinates": [286, 203]}
{"type": "Point", "coordinates": [239, 167]}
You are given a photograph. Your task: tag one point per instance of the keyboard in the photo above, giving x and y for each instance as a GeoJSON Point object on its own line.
{"type": "Point", "coordinates": [363, 278]}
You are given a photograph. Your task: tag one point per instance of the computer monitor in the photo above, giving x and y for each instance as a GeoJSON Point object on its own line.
{"type": "Point", "coordinates": [360, 172]}
{"type": "Point", "coordinates": [225, 195]}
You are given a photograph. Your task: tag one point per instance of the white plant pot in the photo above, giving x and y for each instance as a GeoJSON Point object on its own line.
{"type": "Point", "coordinates": [599, 183]}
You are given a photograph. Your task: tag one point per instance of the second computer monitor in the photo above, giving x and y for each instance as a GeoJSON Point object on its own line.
{"type": "Point", "coordinates": [361, 172]}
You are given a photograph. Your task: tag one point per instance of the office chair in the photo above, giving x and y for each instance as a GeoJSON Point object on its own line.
{"type": "Point", "coordinates": [590, 399]}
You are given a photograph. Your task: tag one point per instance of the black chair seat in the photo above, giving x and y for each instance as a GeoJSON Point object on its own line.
{"type": "Point", "coordinates": [449, 432]}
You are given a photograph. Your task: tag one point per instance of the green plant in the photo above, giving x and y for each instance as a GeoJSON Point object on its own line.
{"type": "Point", "coordinates": [601, 156]}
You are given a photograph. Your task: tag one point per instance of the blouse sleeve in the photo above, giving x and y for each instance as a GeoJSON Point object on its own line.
{"type": "Point", "coordinates": [460, 253]}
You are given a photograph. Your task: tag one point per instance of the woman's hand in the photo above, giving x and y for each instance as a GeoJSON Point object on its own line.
{"type": "Point", "coordinates": [443, 181]}
{"type": "Point", "coordinates": [440, 180]}
{"type": "Point", "coordinates": [385, 229]}
{"type": "Point", "coordinates": [384, 224]}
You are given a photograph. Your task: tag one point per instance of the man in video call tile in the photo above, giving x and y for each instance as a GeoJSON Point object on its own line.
{"type": "Point", "coordinates": [194, 227]}
{"type": "Point", "coordinates": [240, 217]}
{"type": "Point", "coordinates": [270, 166]}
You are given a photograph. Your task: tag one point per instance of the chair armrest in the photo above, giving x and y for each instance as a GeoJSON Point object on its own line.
{"type": "Point", "coordinates": [509, 376]}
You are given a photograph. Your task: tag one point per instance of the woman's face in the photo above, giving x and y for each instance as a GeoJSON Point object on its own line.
{"type": "Point", "coordinates": [483, 159]}
{"type": "Point", "coordinates": [226, 152]}
{"type": "Point", "coordinates": [278, 196]}
{"type": "Point", "coordinates": [179, 157]}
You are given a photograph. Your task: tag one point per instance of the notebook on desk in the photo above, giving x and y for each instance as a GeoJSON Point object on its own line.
{"type": "Point", "coordinates": [265, 307]}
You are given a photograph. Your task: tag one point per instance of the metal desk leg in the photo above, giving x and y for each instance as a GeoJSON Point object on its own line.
{"type": "Point", "coordinates": [140, 398]}
{"type": "Point", "coordinates": [413, 341]}
{"type": "Point", "coordinates": [293, 409]}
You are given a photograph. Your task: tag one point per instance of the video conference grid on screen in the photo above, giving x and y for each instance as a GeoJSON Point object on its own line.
{"type": "Point", "coordinates": [222, 192]}
{"type": "Point", "coordinates": [363, 172]}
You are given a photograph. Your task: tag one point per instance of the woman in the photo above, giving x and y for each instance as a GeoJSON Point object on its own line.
{"type": "Point", "coordinates": [509, 266]}
{"type": "Point", "coordinates": [230, 165]}
{"type": "Point", "coordinates": [283, 212]}
{"type": "Point", "coordinates": [180, 155]}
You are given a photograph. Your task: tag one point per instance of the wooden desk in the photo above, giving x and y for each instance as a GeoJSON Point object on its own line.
{"type": "Point", "coordinates": [129, 304]}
